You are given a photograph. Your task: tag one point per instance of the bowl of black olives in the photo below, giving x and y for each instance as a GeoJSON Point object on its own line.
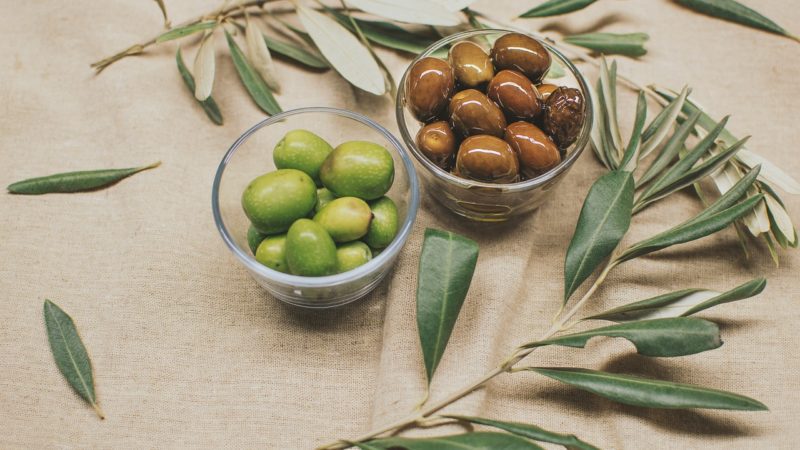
{"type": "Point", "coordinates": [496, 124]}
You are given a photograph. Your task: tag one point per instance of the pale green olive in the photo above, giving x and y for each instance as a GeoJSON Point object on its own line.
{"type": "Point", "coordinates": [351, 255]}
{"type": "Point", "coordinates": [310, 251]}
{"type": "Point", "coordinates": [272, 253]}
{"type": "Point", "coordinates": [275, 200]}
{"type": "Point", "coordinates": [358, 169]}
{"type": "Point", "coordinates": [345, 219]}
{"type": "Point", "coordinates": [301, 150]}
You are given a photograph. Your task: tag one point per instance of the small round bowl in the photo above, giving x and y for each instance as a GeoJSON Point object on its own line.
{"type": "Point", "coordinates": [251, 156]}
{"type": "Point", "coordinates": [490, 202]}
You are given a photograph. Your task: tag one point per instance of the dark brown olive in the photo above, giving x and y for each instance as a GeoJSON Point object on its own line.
{"type": "Point", "coordinates": [546, 89]}
{"type": "Point", "coordinates": [515, 94]}
{"type": "Point", "coordinates": [563, 116]}
{"type": "Point", "coordinates": [537, 153]}
{"type": "Point", "coordinates": [437, 142]}
{"type": "Point", "coordinates": [430, 84]}
{"type": "Point", "coordinates": [471, 113]}
{"type": "Point", "coordinates": [471, 64]}
{"type": "Point", "coordinates": [487, 158]}
{"type": "Point", "coordinates": [516, 51]}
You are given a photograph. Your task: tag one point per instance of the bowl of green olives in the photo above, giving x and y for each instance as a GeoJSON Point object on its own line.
{"type": "Point", "coordinates": [495, 124]}
{"type": "Point", "coordinates": [316, 203]}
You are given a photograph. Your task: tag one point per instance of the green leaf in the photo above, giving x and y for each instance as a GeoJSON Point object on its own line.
{"type": "Point", "coordinates": [446, 266]}
{"type": "Point", "coordinates": [411, 11]}
{"type": "Point", "coordinates": [608, 89]}
{"type": "Point", "coordinates": [631, 155]}
{"type": "Point", "coordinates": [70, 353]}
{"type": "Point", "coordinates": [208, 105]}
{"type": "Point", "coordinates": [255, 85]}
{"type": "Point", "coordinates": [296, 53]}
{"type": "Point", "coordinates": [604, 220]}
{"type": "Point", "coordinates": [668, 153]}
{"type": "Point", "coordinates": [746, 290]}
{"type": "Point", "coordinates": [74, 181]}
{"type": "Point", "coordinates": [729, 198]}
{"type": "Point", "coordinates": [734, 11]}
{"type": "Point", "coordinates": [386, 34]}
{"type": "Point", "coordinates": [531, 432]}
{"type": "Point", "coordinates": [163, 9]}
{"type": "Point", "coordinates": [180, 32]}
{"type": "Point", "coordinates": [649, 393]}
{"type": "Point", "coordinates": [630, 44]}
{"type": "Point", "coordinates": [556, 7]}
{"type": "Point", "coordinates": [466, 441]}
{"type": "Point", "coordinates": [691, 230]}
{"type": "Point", "coordinates": [678, 336]}
{"type": "Point", "coordinates": [661, 125]}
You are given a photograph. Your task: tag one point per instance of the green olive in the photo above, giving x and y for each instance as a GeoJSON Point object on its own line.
{"type": "Point", "coordinates": [358, 169]}
{"type": "Point", "coordinates": [310, 251]}
{"type": "Point", "coordinates": [345, 219]}
{"type": "Point", "coordinates": [272, 253]}
{"type": "Point", "coordinates": [275, 200]}
{"type": "Point", "coordinates": [384, 225]}
{"type": "Point", "coordinates": [324, 196]}
{"type": "Point", "coordinates": [471, 64]}
{"type": "Point", "coordinates": [471, 113]}
{"type": "Point", "coordinates": [487, 158]}
{"type": "Point", "coordinates": [351, 255]}
{"type": "Point", "coordinates": [254, 237]}
{"type": "Point", "coordinates": [301, 150]}
{"type": "Point", "coordinates": [523, 53]}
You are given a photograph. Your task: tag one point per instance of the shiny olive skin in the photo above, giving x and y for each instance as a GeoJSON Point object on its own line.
{"type": "Point", "coordinates": [430, 84]}
{"type": "Point", "coordinates": [564, 115]}
{"type": "Point", "coordinates": [487, 158]}
{"type": "Point", "coordinates": [471, 113]}
{"type": "Point", "coordinates": [537, 153]}
{"type": "Point", "coordinates": [545, 89]}
{"type": "Point", "coordinates": [516, 51]}
{"type": "Point", "coordinates": [515, 94]}
{"type": "Point", "coordinates": [438, 143]}
{"type": "Point", "coordinates": [471, 64]}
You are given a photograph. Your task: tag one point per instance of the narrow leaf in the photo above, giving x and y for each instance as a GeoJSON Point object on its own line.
{"type": "Point", "coordinates": [70, 354]}
{"type": "Point", "coordinates": [556, 7]}
{"type": "Point", "coordinates": [608, 85]}
{"type": "Point", "coordinates": [180, 32]}
{"type": "Point", "coordinates": [672, 304]}
{"type": "Point", "coordinates": [163, 9]}
{"type": "Point", "coordinates": [204, 68]}
{"type": "Point", "coordinates": [531, 432]}
{"type": "Point", "coordinates": [412, 11]}
{"type": "Point", "coordinates": [783, 227]}
{"type": "Point", "coordinates": [296, 53]}
{"type": "Point", "coordinates": [386, 34]}
{"type": "Point", "coordinates": [343, 50]}
{"type": "Point", "coordinates": [209, 105]}
{"type": "Point", "coordinates": [757, 221]}
{"type": "Point", "coordinates": [734, 11]}
{"type": "Point", "coordinates": [631, 156]}
{"type": "Point", "coordinates": [604, 220]}
{"type": "Point", "coordinates": [746, 290]}
{"type": "Point", "coordinates": [631, 44]}
{"type": "Point", "coordinates": [74, 181]}
{"type": "Point", "coordinates": [661, 125]}
{"type": "Point", "coordinates": [466, 441]}
{"type": "Point", "coordinates": [678, 336]}
{"type": "Point", "coordinates": [252, 81]}
{"type": "Point", "coordinates": [731, 195]}
{"type": "Point", "coordinates": [259, 55]}
{"type": "Point", "coordinates": [691, 230]}
{"type": "Point", "coordinates": [649, 393]}
{"type": "Point", "coordinates": [598, 128]}
{"type": "Point", "coordinates": [446, 266]}
{"type": "Point", "coordinates": [668, 153]}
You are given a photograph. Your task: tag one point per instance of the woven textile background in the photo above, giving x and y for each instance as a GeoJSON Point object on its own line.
{"type": "Point", "coordinates": [189, 352]}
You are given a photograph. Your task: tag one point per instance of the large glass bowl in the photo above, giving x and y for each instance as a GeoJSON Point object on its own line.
{"type": "Point", "coordinates": [251, 156]}
{"type": "Point", "coordinates": [491, 202]}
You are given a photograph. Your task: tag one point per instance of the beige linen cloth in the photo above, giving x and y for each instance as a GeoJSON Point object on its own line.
{"type": "Point", "coordinates": [189, 352]}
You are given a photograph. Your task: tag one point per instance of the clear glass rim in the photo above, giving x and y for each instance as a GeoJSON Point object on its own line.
{"type": "Point", "coordinates": [332, 280]}
{"type": "Point", "coordinates": [438, 172]}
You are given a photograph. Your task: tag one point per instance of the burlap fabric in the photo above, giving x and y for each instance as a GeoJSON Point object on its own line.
{"type": "Point", "coordinates": [189, 352]}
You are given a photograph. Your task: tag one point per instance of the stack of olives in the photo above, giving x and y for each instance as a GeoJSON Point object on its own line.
{"type": "Point", "coordinates": [488, 117]}
{"type": "Point", "coordinates": [324, 210]}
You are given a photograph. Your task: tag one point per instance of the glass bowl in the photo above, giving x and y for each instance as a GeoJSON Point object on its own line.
{"type": "Point", "coordinates": [490, 202]}
{"type": "Point", "coordinates": [251, 156]}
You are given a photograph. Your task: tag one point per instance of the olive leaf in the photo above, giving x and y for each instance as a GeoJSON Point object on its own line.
{"type": "Point", "coordinates": [386, 34]}
{"type": "Point", "coordinates": [467, 441]}
{"type": "Point", "coordinates": [649, 393]}
{"type": "Point", "coordinates": [259, 56]}
{"type": "Point", "coordinates": [598, 131]}
{"type": "Point", "coordinates": [180, 32]}
{"type": "Point", "coordinates": [70, 353]}
{"type": "Point", "coordinates": [163, 9]}
{"type": "Point", "coordinates": [252, 81]}
{"type": "Point", "coordinates": [556, 7]}
{"type": "Point", "coordinates": [411, 11]}
{"type": "Point", "coordinates": [446, 266]}
{"type": "Point", "coordinates": [455, 5]}
{"type": "Point", "coordinates": [608, 90]}
{"type": "Point", "coordinates": [681, 303]}
{"type": "Point", "coordinates": [677, 336]}
{"type": "Point", "coordinates": [669, 151]}
{"type": "Point", "coordinates": [631, 156]}
{"type": "Point", "coordinates": [67, 182]}
{"type": "Point", "coordinates": [530, 431]}
{"type": "Point", "coordinates": [603, 221]}
{"type": "Point", "coordinates": [690, 230]}
{"type": "Point", "coordinates": [659, 128]}
{"type": "Point", "coordinates": [734, 11]}
{"type": "Point", "coordinates": [296, 53]}
{"type": "Point", "coordinates": [629, 44]}
{"type": "Point", "coordinates": [208, 105]}
{"type": "Point", "coordinates": [343, 50]}
{"type": "Point", "coordinates": [782, 225]}
{"type": "Point", "coordinates": [204, 67]}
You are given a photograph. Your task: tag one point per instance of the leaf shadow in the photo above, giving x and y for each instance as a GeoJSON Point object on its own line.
{"type": "Point", "coordinates": [565, 30]}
